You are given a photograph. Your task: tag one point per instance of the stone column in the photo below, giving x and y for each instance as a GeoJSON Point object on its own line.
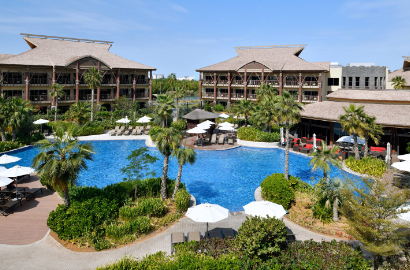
{"type": "Point", "coordinates": [280, 83]}
{"type": "Point", "coordinates": [27, 83]}
{"type": "Point", "coordinates": [332, 133]}
{"type": "Point", "coordinates": [77, 82]}
{"type": "Point", "coordinates": [320, 87]}
{"type": "Point", "coordinates": [133, 86]}
{"type": "Point", "coordinates": [99, 88]}
{"type": "Point", "coordinates": [117, 95]}
{"type": "Point", "coordinates": [214, 87]}
{"type": "Point", "coordinates": [53, 82]}
{"type": "Point", "coordinates": [300, 86]}
{"type": "Point", "coordinates": [229, 88]}
{"type": "Point", "coordinates": [245, 82]}
{"type": "Point", "coordinates": [263, 74]}
{"type": "Point", "coordinates": [150, 85]}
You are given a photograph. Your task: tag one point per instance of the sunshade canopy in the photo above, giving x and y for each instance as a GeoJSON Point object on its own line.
{"type": "Point", "coordinates": [207, 212]}
{"type": "Point", "coordinates": [405, 157]}
{"type": "Point", "coordinates": [350, 139]}
{"type": "Point", "coordinates": [402, 166]}
{"type": "Point", "coordinates": [124, 120]}
{"type": "Point", "coordinates": [17, 171]}
{"type": "Point", "coordinates": [224, 115]}
{"type": "Point", "coordinates": [40, 121]}
{"type": "Point", "coordinates": [199, 114]}
{"type": "Point", "coordinates": [196, 130]}
{"type": "Point", "coordinates": [264, 209]}
{"type": "Point", "coordinates": [4, 181]}
{"type": "Point", "coordinates": [5, 159]}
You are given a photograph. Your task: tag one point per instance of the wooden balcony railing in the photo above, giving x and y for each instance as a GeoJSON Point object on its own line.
{"type": "Point", "coordinates": [290, 83]}
{"type": "Point", "coordinates": [273, 82]}
{"type": "Point", "coordinates": [252, 96]}
{"type": "Point", "coordinates": [310, 84]}
{"type": "Point", "coordinates": [142, 81]}
{"type": "Point", "coordinates": [222, 81]}
{"type": "Point", "coordinates": [12, 81]}
{"type": "Point", "coordinates": [309, 98]}
{"type": "Point", "coordinates": [67, 98]}
{"type": "Point", "coordinates": [208, 82]}
{"type": "Point", "coordinates": [237, 95]}
{"type": "Point", "coordinates": [87, 97]}
{"type": "Point", "coordinates": [107, 97]}
{"type": "Point", "coordinates": [237, 82]}
{"type": "Point", "coordinates": [254, 82]}
{"type": "Point", "coordinates": [65, 81]}
{"type": "Point", "coordinates": [141, 95]}
{"type": "Point", "coordinates": [39, 81]}
{"type": "Point", "coordinates": [222, 95]}
{"type": "Point", "coordinates": [208, 95]}
{"type": "Point", "coordinates": [38, 98]}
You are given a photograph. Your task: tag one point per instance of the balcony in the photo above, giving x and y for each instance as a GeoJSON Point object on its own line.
{"type": "Point", "coordinates": [109, 81]}
{"type": "Point", "coordinates": [13, 82]}
{"type": "Point", "coordinates": [142, 81]}
{"type": "Point", "coordinates": [311, 84]}
{"type": "Point", "coordinates": [310, 99]}
{"type": "Point", "coordinates": [237, 82]}
{"type": "Point", "coordinates": [39, 81]}
{"type": "Point", "coordinates": [252, 96]}
{"type": "Point", "coordinates": [39, 98]}
{"type": "Point", "coordinates": [67, 98]}
{"type": "Point", "coordinates": [290, 83]}
{"type": "Point", "coordinates": [208, 95]}
{"type": "Point", "coordinates": [107, 97]}
{"type": "Point", "coordinates": [273, 82]}
{"type": "Point", "coordinates": [65, 81]}
{"type": "Point", "coordinates": [87, 97]}
{"type": "Point", "coordinates": [223, 81]}
{"type": "Point", "coordinates": [141, 95]}
{"type": "Point", "coordinates": [254, 83]}
{"type": "Point", "coordinates": [207, 82]}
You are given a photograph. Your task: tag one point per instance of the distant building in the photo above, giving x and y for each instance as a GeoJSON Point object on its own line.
{"type": "Point", "coordinates": [186, 78]}
{"type": "Point", "coordinates": [158, 76]}
{"type": "Point", "coordinates": [364, 76]}
{"type": "Point", "coordinates": [403, 72]}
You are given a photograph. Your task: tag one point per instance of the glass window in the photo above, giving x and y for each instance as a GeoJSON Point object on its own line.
{"type": "Point", "coordinates": [357, 81]}
{"type": "Point", "coordinates": [333, 81]}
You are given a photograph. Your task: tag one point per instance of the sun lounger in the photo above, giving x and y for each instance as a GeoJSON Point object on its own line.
{"type": "Point", "coordinates": [213, 140]}
{"type": "Point", "coordinates": [176, 238]}
{"type": "Point", "coordinates": [45, 132]}
{"type": "Point", "coordinates": [228, 233]}
{"type": "Point", "coordinates": [111, 132]}
{"type": "Point", "coordinates": [120, 131]}
{"type": "Point", "coordinates": [148, 127]}
{"type": "Point", "coordinates": [127, 132]}
{"type": "Point", "coordinates": [215, 234]}
{"type": "Point", "coordinates": [130, 128]}
{"type": "Point", "coordinates": [146, 131]}
{"type": "Point", "coordinates": [29, 194]}
{"type": "Point", "coordinates": [194, 236]}
{"type": "Point", "coordinates": [134, 131]}
{"type": "Point", "coordinates": [117, 128]}
{"type": "Point", "coordinates": [221, 139]}
{"type": "Point", "coordinates": [5, 210]}
{"type": "Point", "coordinates": [230, 139]}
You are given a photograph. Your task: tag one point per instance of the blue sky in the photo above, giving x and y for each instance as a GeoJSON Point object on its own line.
{"type": "Point", "coordinates": [181, 36]}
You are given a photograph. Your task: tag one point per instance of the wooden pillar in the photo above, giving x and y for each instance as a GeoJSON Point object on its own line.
{"type": "Point", "coordinates": [27, 83]}
{"type": "Point", "coordinates": [280, 83]}
{"type": "Point", "coordinates": [320, 86]}
{"type": "Point", "coordinates": [332, 134]}
{"type": "Point", "coordinates": [394, 140]}
{"type": "Point", "coordinates": [133, 85]}
{"type": "Point", "coordinates": [214, 87]}
{"type": "Point", "coordinates": [229, 87]}
{"type": "Point", "coordinates": [200, 86]}
{"type": "Point", "coordinates": [1, 82]}
{"type": "Point", "coordinates": [300, 86]}
{"type": "Point", "coordinates": [99, 88]}
{"type": "Point", "coordinates": [77, 82]}
{"type": "Point", "coordinates": [117, 95]}
{"type": "Point", "coordinates": [245, 82]}
{"type": "Point", "coordinates": [53, 82]}
{"type": "Point", "coordinates": [263, 74]}
{"type": "Point", "coordinates": [150, 85]}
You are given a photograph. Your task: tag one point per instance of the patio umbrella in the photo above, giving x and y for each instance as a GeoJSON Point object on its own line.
{"type": "Point", "coordinates": [349, 139]}
{"type": "Point", "coordinates": [207, 212]}
{"type": "Point", "coordinates": [208, 122]}
{"type": "Point", "coordinates": [405, 157]}
{"type": "Point", "coordinates": [204, 125]}
{"type": "Point", "coordinates": [2, 169]}
{"type": "Point", "coordinates": [227, 128]}
{"type": "Point", "coordinates": [124, 120]}
{"type": "Point", "coordinates": [4, 181]}
{"type": "Point", "coordinates": [388, 151]}
{"type": "Point", "coordinates": [224, 115]}
{"type": "Point", "coordinates": [314, 142]}
{"type": "Point", "coordinates": [143, 120]}
{"type": "Point", "coordinates": [264, 209]}
{"type": "Point", "coordinates": [17, 171]}
{"type": "Point", "coordinates": [402, 166]}
{"type": "Point", "coordinates": [281, 136]}
{"type": "Point", "coordinates": [41, 122]}
{"type": "Point", "coordinates": [196, 130]}
{"type": "Point", "coordinates": [226, 124]}
{"type": "Point", "coordinates": [5, 159]}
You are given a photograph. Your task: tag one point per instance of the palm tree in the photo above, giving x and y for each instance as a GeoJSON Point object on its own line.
{"type": "Point", "coordinates": [167, 140]}
{"type": "Point", "coordinates": [57, 93]}
{"type": "Point", "coordinates": [93, 79]}
{"type": "Point", "coordinates": [164, 108]}
{"type": "Point", "coordinates": [184, 155]}
{"type": "Point", "coordinates": [178, 94]}
{"type": "Point", "coordinates": [399, 82]}
{"type": "Point", "coordinates": [62, 159]}
{"type": "Point", "coordinates": [373, 131]}
{"type": "Point", "coordinates": [266, 91]}
{"type": "Point", "coordinates": [19, 112]}
{"type": "Point", "coordinates": [78, 112]}
{"type": "Point", "coordinates": [3, 118]}
{"type": "Point", "coordinates": [172, 78]}
{"type": "Point", "coordinates": [322, 157]}
{"type": "Point", "coordinates": [288, 111]}
{"type": "Point", "coordinates": [353, 121]}
{"type": "Point", "coordinates": [245, 108]}
{"type": "Point", "coordinates": [331, 191]}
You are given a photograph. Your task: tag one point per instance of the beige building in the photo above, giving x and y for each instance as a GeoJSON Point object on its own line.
{"type": "Point", "coordinates": [404, 72]}
{"type": "Point", "coordinates": [62, 60]}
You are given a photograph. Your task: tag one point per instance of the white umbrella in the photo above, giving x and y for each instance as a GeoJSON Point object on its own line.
{"type": "Point", "coordinates": [17, 171]}
{"type": "Point", "coordinates": [281, 136]}
{"type": "Point", "coordinates": [207, 212]}
{"type": "Point", "coordinates": [2, 169]}
{"type": "Point", "coordinates": [143, 120]}
{"type": "Point", "coordinates": [40, 121]}
{"type": "Point", "coordinates": [314, 142]}
{"type": "Point", "coordinates": [208, 122]}
{"type": "Point", "coordinates": [203, 126]}
{"type": "Point", "coordinates": [124, 120]}
{"type": "Point", "coordinates": [264, 209]}
{"type": "Point", "coordinates": [4, 181]}
{"type": "Point", "coordinates": [227, 128]}
{"type": "Point", "coordinates": [226, 124]}
{"type": "Point", "coordinates": [349, 139]}
{"type": "Point", "coordinates": [405, 157]}
{"type": "Point", "coordinates": [147, 117]}
{"type": "Point", "coordinates": [224, 115]}
{"type": "Point", "coordinates": [402, 166]}
{"type": "Point", "coordinates": [196, 130]}
{"type": "Point", "coordinates": [5, 159]}
{"type": "Point", "coordinates": [405, 216]}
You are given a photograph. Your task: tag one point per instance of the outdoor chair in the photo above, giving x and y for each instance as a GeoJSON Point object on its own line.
{"type": "Point", "coordinates": [134, 131]}
{"type": "Point", "coordinates": [303, 140]}
{"type": "Point", "coordinates": [306, 150]}
{"type": "Point", "coordinates": [117, 128]}
{"type": "Point", "coordinates": [215, 234]}
{"type": "Point", "coordinates": [29, 194]}
{"type": "Point", "coordinates": [230, 139]}
{"type": "Point", "coordinates": [194, 236]}
{"type": "Point", "coordinates": [148, 127]}
{"type": "Point", "coordinates": [375, 154]}
{"type": "Point", "coordinates": [296, 148]}
{"type": "Point", "coordinates": [139, 131]}
{"type": "Point", "coordinates": [176, 238]}
{"type": "Point", "coordinates": [146, 131]}
{"type": "Point", "coordinates": [341, 155]}
{"type": "Point", "coordinates": [111, 132]}
{"type": "Point", "coordinates": [5, 210]}
{"type": "Point", "coordinates": [228, 233]}
{"type": "Point", "coordinates": [130, 128]}
{"type": "Point", "coordinates": [127, 132]}
{"type": "Point", "coordinates": [221, 139]}
{"type": "Point", "coordinates": [45, 132]}
{"type": "Point", "coordinates": [213, 140]}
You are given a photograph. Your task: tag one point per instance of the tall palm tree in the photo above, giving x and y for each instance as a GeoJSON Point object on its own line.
{"type": "Point", "coordinates": [373, 131]}
{"type": "Point", "coordinates": [3, 118]}
{"type": "Point", "coordinates": [172, 78]}
{"type": "Point", "coordinates": [19, 112]}
{"type": "Point", "coordinates": [266, 91]}
{"type": "Point", "coordinates": [322, 157]}
{"type": "Point", "coordinates": [78, 112]}
{"type": "Point", "coordinates": [399, 82]}
{"type": "Point", "coordinates": [164, 107]}
{"type": "Point", "coordinates": [183, 155]}
{"type": "Point", "coordinates": [93, 79]}
{"type": "Point", "coordinates": [245, 108]}
{"type": "Point", "coordinates": [57, 92]}
{"type": "Point", "coordinates": [62, 159]}
{"type": "Point", "coordinates": [353, 121]}
{"type": "Point", "coordinates": [167, 140]}
{"type": "Point", "coordinates": [178, 94]}
{"type": "Point", "coordinates": [288, 111]}
{"type": "Point", "coordinates": [331, 192]}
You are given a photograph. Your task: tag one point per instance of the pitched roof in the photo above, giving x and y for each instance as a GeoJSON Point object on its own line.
{"type": "Point", "coordinates": [274, 58]}
{"type": "Point", "coordinates": [5, 56]}
{"type": "Point", "coordinates": [386, 114]}
{"type": "Point", "coordinates": [50, 52]}
{"type": "Point", "coordinates": [199, 114]}
{"type": "Point", "coordinates": [400, 72]}
{"type": "Point", "coordinates": [401, 96]}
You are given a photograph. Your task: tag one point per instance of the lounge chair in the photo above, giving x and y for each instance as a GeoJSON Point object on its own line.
{"type": "Point", "coordinates": [5, 210]}
{"type": "Point", "coordinates": [146, 131]}
{"type": "Point", "coordinates": [215, 234]}
{"type": "Point", "coordinates": [194, 236]}
{"type": "Point", "coordinates": [130, 128]}
{"type": "Point", "coordinates": [134, 131]}
{"type": "Point", "coordinates": [111, 132]}
{"type": "Point", "coordinates": [230, 139]}
{"type": "Point", "coordinates": [139, 131]}
{"type": "Point", "coordinates": [28, 194]}
{"type": "Point", "coordinates": [45, 132]}
{"type": "Point", "coordinates": [228, 233]}
{"type": "Point", "coordinates": [296, 148]}
{"type": "Point", "coordinates": [148, 127]}
{"type": "Point", "coordinates": [221, 139]}
{"type": "Point", "coordinates": [120, 131]}
{"type": "Point", "coordinates": [127, 132]}
{"type": "Point", "coordinates": [306, 150]}
{"type": "Point", "coordinates": [213, 139]}
{"type": "Point", "coordinates": [176, 238]}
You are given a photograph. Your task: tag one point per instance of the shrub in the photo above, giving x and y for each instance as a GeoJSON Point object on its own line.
{"type": "Point", "coordinates": [219, 107]}
{"type": "Point", "coordinates": [154, 130]}
{"type": "Point", "coordinates": [91, 129]}
{"type": "Point", "coordinates": [45, 183]}
{"type": "Point", "coordinates": [323, 213]}
{"type": "Point", "coordinates": [151, 207]}
{"type": "Point", "coordinates": [151, 187]}
{"type": "Point", "coordinates": [368, 165]}
{"type": "Point", "coordinates": [101, 243]}
{"type": "Point", "coordinates": [299, 185]}
{"type": "Point", "coordinates": [182, 199]}
{"type": "Point", "coordinates": [256, 135]}
{"type": "Point", "coordinates": [139, 225]}
{"type": "Point", "coordinates": [180, 124]}
{"type": "Point", "coordinates": [277, 189]}
{"type": "Point", "coordinates": [260, 237]}
{"type": "Point", "coordinates": [7, 146]}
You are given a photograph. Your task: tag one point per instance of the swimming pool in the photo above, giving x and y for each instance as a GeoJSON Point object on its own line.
{"type": "Point", "coordinates": [228, 178]}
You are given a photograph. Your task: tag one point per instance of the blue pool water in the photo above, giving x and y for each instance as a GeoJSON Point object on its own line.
{"type": "Point", "coordinates": [228, 178]}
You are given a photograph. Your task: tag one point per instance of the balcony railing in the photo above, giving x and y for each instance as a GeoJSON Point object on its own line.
{"type": "Point", "coordinates": [208, 82]}
{"type": "Point", "coordinates": [141, 95]}
{"type": "Point", "coordinates": [12, 96]}
{"type": "Point", "coordinates": [87, 97]}
{"type": "Point", "coordinates": [237, 82]}
{"type": "Point", "coordinates": [290, 83]}
{"type": "Point", "coordinates": [254, 82]}
{"type": "Point", "coordinates": [222, 81]}
{"type": "Point", "coordinates": [67, 98]}
{"type": "Point", "coordinates": [208, 94]}
{"type": "Point", "coordinates": [39, 81]}
{"type": "Point", "coordinates": [237, 95]}
{"type": "Point", "coordinates": [252, 96]}
{"type": "Point", "coordinates": [38, 98]}
{"type": "Point", "coordinates": [65, 81]}
{"type": "Point", "coordinates": [107, 97]}
{"type": "Point", "coordinates": [274, 82]}
{"type": "Point", "coordinates": [12, 81]}
{"type": "Point", "coordinates": [108, 81]}
{"type": "Point", "coordinates": [309, 98]}
{"type": "Point", "coordinates": [223, 95]}
{"type": "Point", "coordinates": [310, 84]}
{"type": "Point", "coordinates": [142, 81]}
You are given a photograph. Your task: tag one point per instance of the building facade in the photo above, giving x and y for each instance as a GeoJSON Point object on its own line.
{"type": "Point", "coordinates": [404, 72]}
{"type": "Point", "coordinates": [62, 60]}
{"type": "Point", "coordinates": [364, 76]}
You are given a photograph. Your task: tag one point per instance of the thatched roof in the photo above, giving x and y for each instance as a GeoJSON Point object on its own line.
{"type": "Point", "coordinates": [276, 59]}
{"type": "Point", "coordinates": [50, 52]}
{"type": "Point", "coordinates": [389, 115]}
{"type": "Point", "coordinates": [400, 72]}
{"type": "Point", "coordinates": [5, 56]}
{"type": "Point", "coordinates": [381, 96]}
{"type": "Point", "coordinates": [199, 114]}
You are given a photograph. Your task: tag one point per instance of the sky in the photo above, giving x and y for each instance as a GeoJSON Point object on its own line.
{"type": "Point", "coordinates": [181, 36]}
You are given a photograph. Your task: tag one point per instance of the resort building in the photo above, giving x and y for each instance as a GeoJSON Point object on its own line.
{"type": "Point", "coordinates": [62, 60]}
{"type": "Point", "coordinates": [403, 72]}
{"type": "Point", "coordinates": [390, 107]}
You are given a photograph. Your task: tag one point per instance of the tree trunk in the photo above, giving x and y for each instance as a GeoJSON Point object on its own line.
{"type": "Point", "coordinates": [55, 110]}
{"type": "Point", "coordinates": [177, 182]}
{"type": "Point", "coordinates": [66, 197]}
{"type": "Point", "coordinates": [324, 174]}
{"type": "Point", "coordinates": [356, 147]}
{"type": "Point", "coordinates": [164, 194]}
{"type": "Point", "coordinates": [366, 145]}
{"type": "Point", "coordinates": [135, 190]}
{"type": "Point", "coordinates": [287, 152]}
{"type": "Point", "coordinates": [177, 110]}
{"type": "Point", "coordinates": [92, 104]}
{"type": "Point", "coordinates": [335, 211]}
{"type": "Point", "coordinates": [3, 134]}
{"type": "Point", "coordinates": [246, 120]}
{"type": "Point", "coordinates": [14, 134]}
{"type": "Point", "coordinates": [163, 122]}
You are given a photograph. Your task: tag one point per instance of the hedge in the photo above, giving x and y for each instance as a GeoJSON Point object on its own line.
{"type": "Point", "coordinates": [256, 135]}
{"type": "Point", "coordinates": [368, 165]}
{"type": "Point", "coordinates": [277, 189]}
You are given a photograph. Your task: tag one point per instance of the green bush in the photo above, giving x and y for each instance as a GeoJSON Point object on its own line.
{"type": "Point", "coordinates": [154, 130]}
{"type": "Point", "coordinates": [277, 189]}
{"type": "Point", "coordinates": [299, 185]}
{"type": "Point", "coordinates": [8, 145]}
{"type": "Point", "coordinates": [91, 129]}
{"type": "Point", "coordinates": [261, 237]}
{"type": "Point", "coordinates": [139, 225]}
{"type": "Point", "coordinates": [256, 135]}
{"type": "Point", "coordinates": [182, 199]}
{"type": "Point", "coordinates": [147, 207]}
{"type": "Point", "coordinates": [368, 165]}
{"type": "Point", "coordinates": [101, 243]}
{"type": "Point", "coordinates": [180, 124]}
{"type": "Point", "coordinates": [218, 107]}
{"type": "Point", "coordinates": [323, 213]}
{"type": "Point", "coordinates": [151, 187]}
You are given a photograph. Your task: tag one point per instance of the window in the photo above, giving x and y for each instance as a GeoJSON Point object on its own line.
{"type": "Point", "coordinates": [225, 91]}
{"type": "Point", "coordinates": [12, 78]}
{"type": "Point", "coordinates": [333, 81]}
{"type": "Point", "coordinates": [12, 93]}
{"type": "Point", "coordinates": [209, 90]}
{"type": "Point", "coordinates": [350, 82]}
{"type": "Point", "coordinates": [209, 78]}
{"type": "Point", "coordinates": [344, 82]}
{"type": "Point", "coordinates": [375, 82]}
{"type": "Point", "coordinates": [357, 82]}
{"type": "Point", "coordinates": [366, 82]}
{"type": "Point", "coordinates": [239, 91]}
